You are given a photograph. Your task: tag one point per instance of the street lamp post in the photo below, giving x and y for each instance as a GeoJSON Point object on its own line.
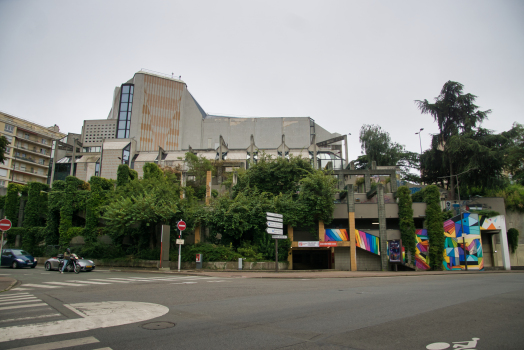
{"type": "Point", "coordinates": [420, 141]}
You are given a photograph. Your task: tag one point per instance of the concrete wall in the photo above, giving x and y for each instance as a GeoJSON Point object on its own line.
{"type": "Point", "coordinates": [342, 259]}
{"type": "Point", "coordinates": [367, 261]}
{"type": "Point", "coordinates": [370, 211]}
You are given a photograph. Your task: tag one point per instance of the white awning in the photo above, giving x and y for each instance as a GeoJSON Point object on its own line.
{"type": "Point", "coordinates": [271, 152]}
{"type": "Point", "coordinates": [237, 155]}
{"type": "Point", "coordinates": [115, 144]}
{"type": "Point", "coordinates": [176, 156]}
{"type": "Point", "coordinates": [208, 155]}
{"type": "Point", "coordinates": [146, 157]}
{"type": "Point", "coordinates": [88, 159]}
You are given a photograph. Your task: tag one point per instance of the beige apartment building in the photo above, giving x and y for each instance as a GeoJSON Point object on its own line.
{"type": "Point", "coordinates": [29, 152]}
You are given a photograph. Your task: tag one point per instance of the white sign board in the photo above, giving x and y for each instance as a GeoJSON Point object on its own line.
{"type": "Point", "coordinates": [270, 218]}
{"type": "Point", "coordinates": [279, 237]}
{"type": "Point", "coordinates": [179, 241]}
{"type": "Point", "coordinates": [309, 244]}
{"type": "Point", "coordinates": [274, 224]}
{"type": "Point", "coordinates": [274, 231]}
{"type": "Point", "coordinates": [275, 215]}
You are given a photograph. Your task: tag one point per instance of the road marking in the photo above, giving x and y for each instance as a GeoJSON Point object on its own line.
{"type": "Point", "coordinates": [88, 282]}
{"type": "Point", "coordinates": [29, 318]}
{"type": "Point", "coordinates": [131, 279]}
{"type": "Point", "coordinates": [63, 284]}
{"type": "Point", "coordinates": [21, 306]}
{"type": "Point", "coordinates": [98, 279]}
{"type": "Point", "coordinates": [39, 286]}
{"type": "Point", "coordinates": [60, 344]}
{"type": "Point", "coordinates": [94, 315]}
{"type": "Point", "coordinates": [215, 281]}
{"type": "Point", "coordinates": [185, 283]}
{"type": "Point", "coordinates": [104, 349]}
{"type": "Point", "coordinates": [45, 273]}
{"type": "Point", "coordinates": [23, 288]}
{"type": "Point", "coordinates": [15, 297]}
{"type": "Point", "coordinates": [19, 302]}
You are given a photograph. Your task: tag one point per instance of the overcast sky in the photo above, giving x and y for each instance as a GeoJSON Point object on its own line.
{"type": "Point", "coordinates": [342, 63]}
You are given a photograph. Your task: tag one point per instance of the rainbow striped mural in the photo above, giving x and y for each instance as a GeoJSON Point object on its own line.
{"type": "Point", "coordinates": [364, 240]}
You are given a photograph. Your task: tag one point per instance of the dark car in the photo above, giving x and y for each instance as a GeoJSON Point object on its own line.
{"type": "Point", "coordinates": [17, 258]}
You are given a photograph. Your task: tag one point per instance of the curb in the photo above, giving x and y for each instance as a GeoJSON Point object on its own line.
{"type": "Point", "coordinates": [15, 283]}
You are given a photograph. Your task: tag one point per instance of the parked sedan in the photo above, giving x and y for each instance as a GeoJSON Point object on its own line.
{"type": "Point", "coordinates": [52, 263]}
{"type": "Point", "coordinates": [17, 258]}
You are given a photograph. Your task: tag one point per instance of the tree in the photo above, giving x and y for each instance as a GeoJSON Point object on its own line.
{"type": "Point", "coordinates": [407, 225]}
{"type": "Point", "coordinates": [434, 225]}
{"type": "Point", "coordinates": [3, 145]}
{"type": "Point", "coordinates": [377, 146]}
{"type": "Point", "coordinates": [454, 112]}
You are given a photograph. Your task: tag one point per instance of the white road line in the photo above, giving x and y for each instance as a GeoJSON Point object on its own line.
{"type": "Point", "coordinates": [19, 302]}
{"type": "Point", "coordinates": [104, 349]}
{"type": "Point", "coordinates": [105, 280]}
{"type": "Point", "coordinates": [39, 286]}
{"type": "Point", "coordinates": [45, 273]}
{"type": "Point", "coordinates": [131, 279]}
{"type": "Point", "coordinates": [23, 289]}
{"type": "Point", "coordinates": [214, 281]}
{"type": "Point", "coordinates": [89, 282]}
{"type": "Point", "coordinates": [21, 306]}
{"type": "Point", "coordinates": [16, 297]}
{"type": "Point", "coordinates": [185, 283]}
{"type": "Point", "coordinates": [63, 284]}
{"type": "Point", "coordinates": [60, 344]}
{"type": "Point", "coordinates": [29, 318]}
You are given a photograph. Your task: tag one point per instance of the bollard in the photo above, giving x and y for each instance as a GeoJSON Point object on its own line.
{"type": "Point", "coordinates": [240, 263]}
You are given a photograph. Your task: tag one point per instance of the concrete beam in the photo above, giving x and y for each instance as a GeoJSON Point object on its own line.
{"type": "Point", "coordinates": [382, 228]}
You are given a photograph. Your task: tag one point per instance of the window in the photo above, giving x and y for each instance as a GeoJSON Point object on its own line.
{"type": "Point", "coordinates": [26, 136]}
{"type": "Point", "coordinates": [9, 138]}
{"type": "Point", "coordinates": [125, 154]}
{"type": "Point", "coordinates": [3, 172]}
{"type": "Point", "coordinates": [9, 128]}
{"type": "Point", "coordinates": [97, 168]}
{"type": "Point", "coordinates": [7, 150]}
{"type": "Point", "coordinates": [124, 115]}
{"type": "Point", "coordinates": [44, 141]}
{"type": "Point", "coordinates": [2, 183]}
{"type": "Point", "coordinates": [41, 161]}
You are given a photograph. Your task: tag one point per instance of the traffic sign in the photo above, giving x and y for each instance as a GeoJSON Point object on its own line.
{"type": "Point", "coordinates": [275, 215]}
{"type": "Point", "coordinates": [181, 225]}
{"type": "Point", "coordinates": [274, 224]}
{"type": "Point", "coordinates": [270, 218]}
{"type": "Point", "coordinates": [279, 237]}
{"type": "Point", "coordinates": [274, 231]}
{"type": "Point", "coordinates": [5, 224]}
{"type": "Point", "coordinates": [179, 241]}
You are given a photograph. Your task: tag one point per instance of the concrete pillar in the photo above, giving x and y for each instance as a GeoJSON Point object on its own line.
{"type": "Point", "coordinates": [290, 256]}
{"type": "Point", "coordinates": [393, 182]}
{"type": "Point", "coordinates": [367, 182]}
{"type": "Point", "coordinates": [351, 219]}
{"type": "Point", "coordinates": [504, 243]}
{"type": "Point", "coordinates": [73, 159]}
{"type": "Point", "coordinates": [197, 234]}
{"type": "Point", "coordinates": [321, 231]}
{"type": "Point", "coordinates": [183, 180]}
{"type": "Point", "coordinates": [208, 187]}
{"type": "Point", "coordinates": [374, 165]}
{"type": "Point", "coordinates": [165, 241]}
{"type": "Point", "coordinates": [382, 228]}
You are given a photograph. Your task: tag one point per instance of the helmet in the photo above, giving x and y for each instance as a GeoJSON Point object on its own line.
{"type": "Point", "coordinates": [68, 250]}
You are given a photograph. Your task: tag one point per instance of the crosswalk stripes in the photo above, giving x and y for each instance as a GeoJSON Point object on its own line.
{"type": "Point", "coordinates": [118, 280]}
{"type": "Point", "coordinates": [20, 301]}
{"type": "Point", "coordinates": [62, 344]}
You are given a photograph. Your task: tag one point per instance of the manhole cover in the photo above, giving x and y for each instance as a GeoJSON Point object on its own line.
{"type": "Point", "coordinates": [158, 325]}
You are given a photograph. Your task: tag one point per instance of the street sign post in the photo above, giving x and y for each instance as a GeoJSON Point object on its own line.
{"type": "Point", "coordinates": [5, 224]}
{"type": "Point", "coordinates": [275, 225]}
{"type": "Point", "coordinates": [181, 225]}
{"type": "Point", "coordinates": [274, 231]}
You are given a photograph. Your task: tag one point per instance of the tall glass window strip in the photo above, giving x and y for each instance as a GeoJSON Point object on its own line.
{"type": "Point", "coordinates": [125, 154]}
{"type": "Point", "coordinates": [124, 114]}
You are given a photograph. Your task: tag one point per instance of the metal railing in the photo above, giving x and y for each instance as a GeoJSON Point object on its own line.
{"type": "Point", "coordinates": [170, 76]}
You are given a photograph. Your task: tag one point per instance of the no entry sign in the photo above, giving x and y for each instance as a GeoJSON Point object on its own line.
{"type": "Point", "coordinates": [5, 224]}
{"type": "Point", "coordinates": [181, 225]}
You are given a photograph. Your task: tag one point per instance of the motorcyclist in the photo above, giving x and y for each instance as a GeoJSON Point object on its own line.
{"type": "Point", "coordinates": [67, 256]}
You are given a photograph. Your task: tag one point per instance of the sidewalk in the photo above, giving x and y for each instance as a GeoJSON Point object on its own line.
{"type": "Point", "coordinates": [6, 283]}
{"type": "Point", "coordinates": [306, 274]}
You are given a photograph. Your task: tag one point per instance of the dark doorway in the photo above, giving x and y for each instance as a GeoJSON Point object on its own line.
{"type": "Point", "coordinates": [311, 259]}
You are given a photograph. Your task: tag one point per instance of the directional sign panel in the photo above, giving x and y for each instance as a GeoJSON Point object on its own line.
{"type": "Point", "coordinates": [275, 215]}
{"type": "Point", "coordinates": [274, 224]}
{"type": "Point", "coordinates": [270, 218]}
{"type": "Point", "coordinates": [279, 237]}
{"type": "Point", "coordinates": [274, 231]}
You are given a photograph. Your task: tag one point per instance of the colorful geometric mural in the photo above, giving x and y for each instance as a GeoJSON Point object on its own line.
{"type": "Point", "coordinates": [459, 233]}
{"type": "Point", "coordinates": [456, 233]}
{"type": "Point", "coordinates": [422, 248]}
{"type": "Point", "coordinates": [364, 240]}
{"type": "Point", "coordinates": [336, 235]}
{"type": "Point", "coordinates": [367, 242]}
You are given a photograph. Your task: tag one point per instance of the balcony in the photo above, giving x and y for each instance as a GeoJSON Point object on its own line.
{"type": "Point", "coordinates": [28, 172]}
{"type": "Point", "coordinates": [33, 140]}
{"type": "Point", "coordinates": [32, 150]}
{"type": "Point", "coordinates": [30, 160]}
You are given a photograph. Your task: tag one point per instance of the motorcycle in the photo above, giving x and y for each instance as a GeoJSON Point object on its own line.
{"type": "Point", "coordinates": [72, 266]}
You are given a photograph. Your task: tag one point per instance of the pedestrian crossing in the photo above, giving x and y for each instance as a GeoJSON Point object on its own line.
{"type": "Point", "coordinates": [63, 344]}
{"type": "Point", "coordinates": [19, 307]}
{"type": "Point", "coordinates": [179, 280]}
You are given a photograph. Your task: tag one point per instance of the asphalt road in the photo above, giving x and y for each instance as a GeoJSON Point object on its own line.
{"type": "Point", "coordinates": [123, 310]}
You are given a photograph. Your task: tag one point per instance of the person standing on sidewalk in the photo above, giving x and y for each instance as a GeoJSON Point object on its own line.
{"type": "Point", "coordinates": [67, 256]}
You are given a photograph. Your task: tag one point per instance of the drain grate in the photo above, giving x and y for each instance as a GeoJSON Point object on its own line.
{"type": "Point", "coordinates": [157, 325]}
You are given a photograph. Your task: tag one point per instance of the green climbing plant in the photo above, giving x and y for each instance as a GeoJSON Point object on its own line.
{"type": "Point", "coordinates": [513, 239]}
{"type": "Point", "coordinates": [407, 225]}
{"type": "Point", "coordinates": [434, 225]}
{"type": "Point", "coordinates": [36, 205]}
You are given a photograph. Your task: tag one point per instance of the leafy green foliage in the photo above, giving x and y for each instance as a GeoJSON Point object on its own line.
{"type": "Point", "coordinates": [513, 197]}
{"type": "Point", "coordinates": [152, 171]}
{"type": "Point", "coordinates": [377, 146]}
{"type": "Point", "coordinates": [36, 205]}
{"type": "Point", "coordinates": [407, 225]}
{"type": "Point", "coordinates": [513, 239]}
{"type": "Point", "coordinates": [123, 175]}
{"type": "Point", "coordinates": [12, 202]}
{"type": "Point", "coordinates": [74, 198]}
{"type": "Point", "coordinates": [72, 232]}
{"type": "Point", "coordinates": [97, 198]}
{"type": "Point", "coordinates": [3, 145]}
{"type": "Point", "coordinates": [434, 225]}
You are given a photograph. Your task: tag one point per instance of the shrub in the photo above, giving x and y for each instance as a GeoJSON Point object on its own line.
{"type": "Point", "coordinates": [211, 252]}
{"type": "Point", "coordinates": [71, 233]}
{"type": "Point", "coordinates": [513, 239]}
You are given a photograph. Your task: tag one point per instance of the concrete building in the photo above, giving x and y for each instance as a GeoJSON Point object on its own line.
{"type": "Point", "coordinates": [28, 155]}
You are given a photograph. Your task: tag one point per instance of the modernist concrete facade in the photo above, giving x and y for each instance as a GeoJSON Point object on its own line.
{"type": "Point", "coordinates": [29, 151]}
